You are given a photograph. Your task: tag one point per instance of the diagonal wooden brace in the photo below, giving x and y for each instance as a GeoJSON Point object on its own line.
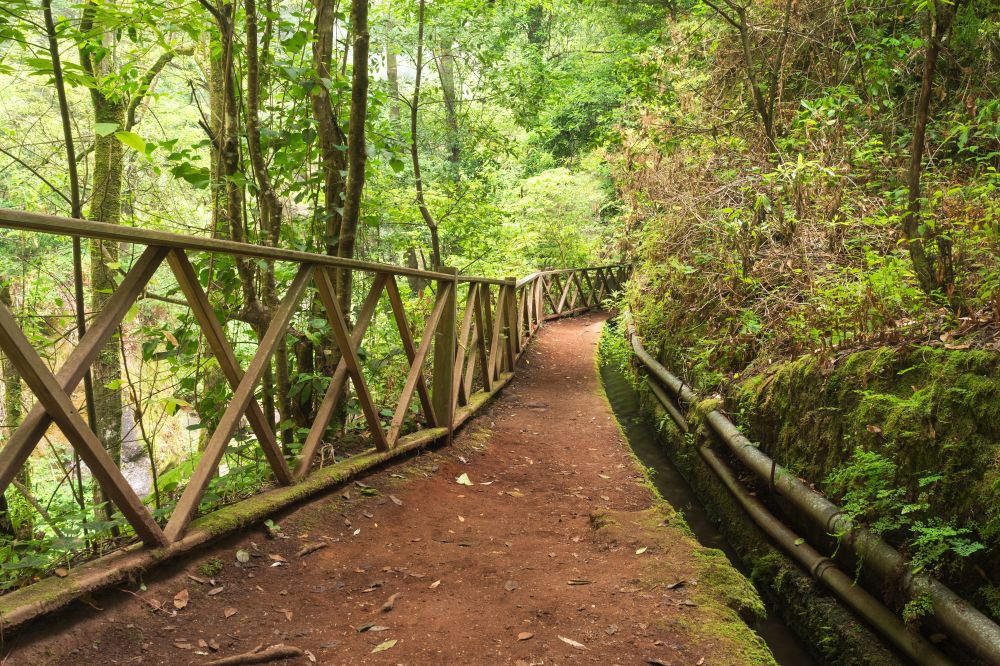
{"type": "Point", "coordinates": [61, 410]}
{"type": "Point", "coordinates": [458, 379]}
{"type": "Point", "coordinates": [349, 355]}
{"type": "Point", "coordinates": [187, 506]}
{"type": "Point", "coordinates": [410, 348]}
{"type": "Point", "coordinates": [416, 371]}
{"type": "Point", "coordinates": [24, 440]}
{"type": "Point", "coordinates": [324, 413]}
{"type": "Point", "coordinates": [223, 352]}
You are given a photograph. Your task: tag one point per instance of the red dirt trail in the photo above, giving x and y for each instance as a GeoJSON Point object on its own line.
{"type": "Point", "coordinates": [493, 573]}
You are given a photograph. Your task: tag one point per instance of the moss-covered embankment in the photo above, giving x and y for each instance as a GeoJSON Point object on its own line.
{"type": "Point", "coordinates": [933, 413]}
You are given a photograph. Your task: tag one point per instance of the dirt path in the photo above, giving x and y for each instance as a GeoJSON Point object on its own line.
{"type": "Point", "coordinates": [556, 538]}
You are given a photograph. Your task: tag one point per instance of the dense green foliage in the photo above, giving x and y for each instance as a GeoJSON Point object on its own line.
{"type": "Point", "coordinates": [506, 132]}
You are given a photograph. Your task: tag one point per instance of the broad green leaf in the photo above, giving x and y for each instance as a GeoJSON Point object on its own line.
{"type": "Point", "coordinates": [104, 129]}
{"type": "Point", "coordinates": [132, 140]}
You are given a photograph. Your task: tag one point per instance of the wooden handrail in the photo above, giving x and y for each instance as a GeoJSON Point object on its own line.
{"type": "Point", "coordinates": [480, 338]}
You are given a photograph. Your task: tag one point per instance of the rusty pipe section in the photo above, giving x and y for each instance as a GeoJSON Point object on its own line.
{"type": "Point", "coordinates": [912, 644]}
{"type": "Point", "coordinates": [962, 621]}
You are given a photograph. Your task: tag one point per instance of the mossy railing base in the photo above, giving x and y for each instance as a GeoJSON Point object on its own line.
{"type": "Point", "coordinates": [51, 594]}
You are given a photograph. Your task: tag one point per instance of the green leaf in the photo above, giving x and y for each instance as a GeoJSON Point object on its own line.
{"type": "Point", "coordinates": [104, 129]}
{"type": "Point", "coordinates": [396, 164]}
{"type": "Point", "coordinates": [132, 140]}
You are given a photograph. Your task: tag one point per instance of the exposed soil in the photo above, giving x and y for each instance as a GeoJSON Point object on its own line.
{"type": "Point", "coordinates": [558, 537]}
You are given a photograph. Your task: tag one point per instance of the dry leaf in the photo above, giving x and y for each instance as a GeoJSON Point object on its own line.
{"type": "Point", "coordinates": [216, 590]}
{"type": "Point", "coordinates": [463, 479]}
{"type": "Point", "coordinates": [572, 643]}
{"type": "Point", "coordinates": [229, 612]}
{"type": "Point", "coordinates": [524, 635]}
{"type": "Point", "coordinates": [382, 647]}
{"type": "Point", "coordinates": [396, 500]}
{"type": "Point", "coordinates": [181, 599]}
{"type": "Point", "coordinates": [61, 572]}
{"type": "Point", "coordinates": [640, 551]}
{"type": "Point", "coordinates": [242, 556]}
{"type": "Point", "coordinates": [434, 585]}
{"type": "Point", "coordinates": [287, 613]}
{"type": "Point", "coordinates": [277, 558]}
{"type": "Point", "coordinates": [510, 585]}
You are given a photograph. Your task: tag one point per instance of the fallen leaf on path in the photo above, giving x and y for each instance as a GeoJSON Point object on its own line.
{"type": "Point", "coordinates": [640, 551]}
{"type": "Point", "coordinates": [278, 558]}
{"type": "Point", "coordinates": [183, 645]}
{"type": "Point", "coordinates": [396, 500]}
{"type": "Point", "coordinates": [461, 519]}
{"type": "Point", "coordinates": [357, 531]}
{"type": "Point", "coordinates": [287, 613]}
{"type": "Point", "coordinates": [311, 657]}
{"type": "Point", "coordinates": [510, 585]}
{"type": "Point", "coordinates": [604, 476]}
{"type": "Point", "coordinates": [197, 579]}
{"type": "Point", "coordinates": [463, 479]}
{"type": "Point", "coordinates": [60, 572]}
{"type": "Point", "coordinates": [229, 612]}
{"type": "Point", "coordinates": [242, 556]}
{"type": "Point", "coordinates": [515, 493]}
{"type": "Point", "coordinates": [181, 599]}
{"type": "Point", "coordinates": [657, 662]}
{"type": "Point", "coordinates": [524, 635]}
{"type": "Point", "coordinates": [678, 584]}
{"type": "Point", "coordinates": [434, 585]}
{"type": "Point", "coordinates": [611, 630]}
{"type": "Point", "coordinates": [570, 642]}
{"type": "Point", "coordinates": [579, 581]}
{"type": "Point", "coordinates": [382, 647]}
{"type": "Point", "coordinates": [216, 590]}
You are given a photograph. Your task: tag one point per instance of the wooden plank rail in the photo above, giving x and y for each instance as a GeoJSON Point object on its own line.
{"type": "Point", "coordinates": [468, 346]}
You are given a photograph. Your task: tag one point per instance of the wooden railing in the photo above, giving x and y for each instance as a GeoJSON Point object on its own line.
{"type": "Point", "coordinates": [477, 327]}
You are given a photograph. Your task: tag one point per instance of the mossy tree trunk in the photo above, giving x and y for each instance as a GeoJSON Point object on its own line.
{"type": "Point", "coordinates": [15, 515]}
{"type": "Point", "coordinates": [105, 206]}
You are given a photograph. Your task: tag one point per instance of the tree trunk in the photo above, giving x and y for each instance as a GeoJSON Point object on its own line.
{"type": "Point", "coordinates": [934, 271]}
{"type": "Point", "coordinates": [105, 206]}
{"type": "Point", "coordinates": [446, 73]}
{"type": "Point", "coordinates": [329, 134]}
{"type": "Point", "coordinates": [414, 150]}
{"type": "Point", "coordinates": [15, 515]}
{"type": "Point", "coordinates": [270, 211]}
{"type": "Point", "coordinates": [356, 149]}
{"type": "Point", "coordinates": [392, 72]}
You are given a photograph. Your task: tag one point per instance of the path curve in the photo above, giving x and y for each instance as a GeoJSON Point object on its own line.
{"type": "Point", "coordinates": [492, 573]}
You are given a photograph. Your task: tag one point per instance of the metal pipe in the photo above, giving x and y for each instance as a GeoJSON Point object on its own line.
{"type": "Point", "coordinates": [912, 644]}
{"type": "Point", "coordinates": [978, 633]}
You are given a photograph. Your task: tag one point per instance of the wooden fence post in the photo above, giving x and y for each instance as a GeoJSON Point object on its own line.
{"type": "Point", "coordinates": [513, 321]}
{"type": "Point", "coordinates": [444, 353]}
